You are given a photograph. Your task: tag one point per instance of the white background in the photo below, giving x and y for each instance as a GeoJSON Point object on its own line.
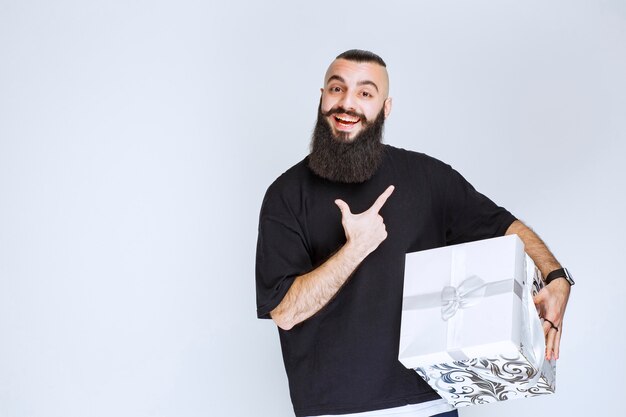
{"type": "Point", "coordinates": [137, 139]}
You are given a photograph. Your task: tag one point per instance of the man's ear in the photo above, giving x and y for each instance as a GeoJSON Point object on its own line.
{"type": "Point", "coordinates": [387, 106]}
{"type": "Point", "coordinates": [322, 90]}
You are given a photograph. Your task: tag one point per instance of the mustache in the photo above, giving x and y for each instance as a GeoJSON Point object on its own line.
{"type": "Point", "coordinates": [344, 111]}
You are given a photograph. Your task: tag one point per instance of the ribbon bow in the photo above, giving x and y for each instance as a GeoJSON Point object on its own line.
{"type": "Point", "coordinates": [468, 293]}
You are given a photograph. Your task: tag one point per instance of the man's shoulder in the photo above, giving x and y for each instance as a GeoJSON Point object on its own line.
{"type": "Point", "coordinates": [415, 159]}
{"type": "Point", "coordinates": [289, 182]}
{"type": "Point", "coordinates": [292, 176]}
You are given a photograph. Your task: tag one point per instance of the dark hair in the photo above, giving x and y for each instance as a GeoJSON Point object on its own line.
{"type": "Point", "coordinates": [359, 55]}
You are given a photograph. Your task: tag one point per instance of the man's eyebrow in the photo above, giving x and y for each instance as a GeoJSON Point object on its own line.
{"type": "Point", "coordinates": [341, 80]}
{"type": "Point", "coordinates": [335, 77]}
{"type": "Point", "coordinates": [368, 82]}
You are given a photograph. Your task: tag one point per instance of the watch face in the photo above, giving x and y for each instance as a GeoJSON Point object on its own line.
{"type": "Point", "coordinates": [568, 276]}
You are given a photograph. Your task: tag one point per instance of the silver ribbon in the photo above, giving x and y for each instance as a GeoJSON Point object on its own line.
{"type": "Point", "coordinates": [469, 293]}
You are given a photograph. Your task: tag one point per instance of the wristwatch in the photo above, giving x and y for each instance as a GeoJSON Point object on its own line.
{"type": "Point", "coordinates": [559, 273]}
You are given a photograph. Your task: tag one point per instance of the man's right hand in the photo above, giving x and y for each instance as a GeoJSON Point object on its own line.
{"type": "Point", "coordinates": [365, 231]}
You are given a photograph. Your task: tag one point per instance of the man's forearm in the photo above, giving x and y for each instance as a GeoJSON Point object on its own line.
{"type": "Point", "coordinates": [535, 247]}
{"type": "Point", "coordinates": [310, 292]}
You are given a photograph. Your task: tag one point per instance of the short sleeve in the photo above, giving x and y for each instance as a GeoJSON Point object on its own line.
{"type": "Point", "coordinates": [282, 253]}
{"type": "Point", "coordinates": [469, 215]}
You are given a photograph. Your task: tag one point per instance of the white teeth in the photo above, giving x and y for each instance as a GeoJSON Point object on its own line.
{"type": "Point", "coordinates": [343, 119]}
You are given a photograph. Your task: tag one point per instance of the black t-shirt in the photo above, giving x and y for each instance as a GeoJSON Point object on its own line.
{"type": "Point", "coordinates": [344, 359]}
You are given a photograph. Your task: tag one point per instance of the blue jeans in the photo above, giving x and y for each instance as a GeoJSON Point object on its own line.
{"type": "Point", "coordinates": [452, 413]}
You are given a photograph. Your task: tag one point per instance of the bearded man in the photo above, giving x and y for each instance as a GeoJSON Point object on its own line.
{"type": "Point", "coordinates": [332, 279]}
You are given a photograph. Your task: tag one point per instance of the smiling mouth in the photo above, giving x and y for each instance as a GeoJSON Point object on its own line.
{"type": "Point", "coordinates": [345, 121]}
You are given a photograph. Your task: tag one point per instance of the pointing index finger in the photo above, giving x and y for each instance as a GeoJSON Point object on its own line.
{"type": "Point", "coordinates": [380, 201]}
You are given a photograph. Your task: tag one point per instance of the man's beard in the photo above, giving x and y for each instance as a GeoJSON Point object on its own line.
{"type": "Point", "coordinates": [337, 158]}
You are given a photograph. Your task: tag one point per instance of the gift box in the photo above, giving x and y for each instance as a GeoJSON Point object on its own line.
{"type": "Point", "coordinates": [469, 325]}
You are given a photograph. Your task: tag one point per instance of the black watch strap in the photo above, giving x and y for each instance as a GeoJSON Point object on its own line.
{"type": "Point", "coordinates": [559, 273]}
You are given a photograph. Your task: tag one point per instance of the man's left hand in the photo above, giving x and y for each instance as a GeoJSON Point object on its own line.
{"type": "Point", "coordinates": [551, 302]}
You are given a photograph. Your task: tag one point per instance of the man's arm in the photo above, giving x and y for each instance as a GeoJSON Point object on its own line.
{"type": "Point", "coordinates": [310, 292]}
{"type": "Point", "coordinates": [552, 299]}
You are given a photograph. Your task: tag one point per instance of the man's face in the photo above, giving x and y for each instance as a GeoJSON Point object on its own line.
{"type": "Point", "coordinates": [353, 95]}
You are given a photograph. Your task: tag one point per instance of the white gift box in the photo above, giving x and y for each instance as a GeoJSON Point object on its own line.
{"type": "Point", "coordinates": [469, 325]}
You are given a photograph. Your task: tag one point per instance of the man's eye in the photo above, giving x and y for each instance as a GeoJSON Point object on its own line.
{"type": "Point", "coordinates": [336, 89]}
{"type": "Point", "coordinates": [366, 94]}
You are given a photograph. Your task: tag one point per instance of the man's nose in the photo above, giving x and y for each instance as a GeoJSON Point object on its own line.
{"type": "Point", "coordinates": [348, 102]}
